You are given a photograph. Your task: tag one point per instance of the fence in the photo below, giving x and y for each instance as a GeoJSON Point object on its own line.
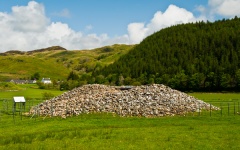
{"type": "Point", "coordinates": [226, 108]}
{"type": "Point", "coordinates": [7, 107]}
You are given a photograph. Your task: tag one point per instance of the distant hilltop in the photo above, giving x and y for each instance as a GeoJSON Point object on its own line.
{"type": "Point", "coordinates": [52, 48]}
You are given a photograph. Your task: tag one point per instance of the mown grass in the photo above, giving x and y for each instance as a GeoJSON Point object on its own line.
{"type": "Point", "coordinates": [104, 131]}
{"type": "Point", "coordinates": [108, 131]}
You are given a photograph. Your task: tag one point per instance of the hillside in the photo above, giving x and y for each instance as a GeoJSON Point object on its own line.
{"type": "Point", "coordinates": [194, 56]}
{"type": "Point", "coordinates": [57, 62]}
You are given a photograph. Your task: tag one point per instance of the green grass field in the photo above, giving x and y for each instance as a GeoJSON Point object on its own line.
{"type": "Point", "coordinates": [211, 97]}
{"type": "Point", "coordinates": [29, 91]}
{"type": "Point", "coordinates": [104, 131]}
{"type": "Point", "coordinates": [108, 131]}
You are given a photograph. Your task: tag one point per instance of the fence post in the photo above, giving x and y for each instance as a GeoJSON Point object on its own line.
{"type": "Point", "coordinates": [13, 110]}
{"type": "Point", "coordinates": [238, 107]}
{"type": "Point", "coordinates": [21, 105]}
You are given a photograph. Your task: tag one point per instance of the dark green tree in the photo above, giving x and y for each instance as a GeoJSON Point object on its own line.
{"type": "Point", "coordinates": [35, 76]}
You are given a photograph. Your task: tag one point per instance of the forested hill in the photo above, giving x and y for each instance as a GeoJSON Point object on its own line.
{"type": "Point", "coordinates": [194, 56]}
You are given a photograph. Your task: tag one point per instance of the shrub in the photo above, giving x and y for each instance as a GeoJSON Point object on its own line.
{"type": "Point", "coordinates": [47, 95]}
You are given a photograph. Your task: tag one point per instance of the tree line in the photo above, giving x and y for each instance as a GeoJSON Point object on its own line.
{"type": "Point", "coordinates": [202, 56]}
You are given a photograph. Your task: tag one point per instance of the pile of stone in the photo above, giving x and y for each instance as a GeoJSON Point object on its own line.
{"type": "Point", "coordinates": [148, 100]}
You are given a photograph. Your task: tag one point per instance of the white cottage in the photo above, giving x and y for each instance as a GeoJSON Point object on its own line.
{"type": "Point", "coordinates": [46, 81]}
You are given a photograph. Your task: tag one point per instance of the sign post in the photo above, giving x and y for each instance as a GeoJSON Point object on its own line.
{"type": "Point", "coordinates": [20, 101]}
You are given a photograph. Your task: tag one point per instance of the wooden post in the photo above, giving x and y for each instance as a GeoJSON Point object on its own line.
{"type": "Point", "coordinates": [13, 109]}
{"type": "Point", "coordinates": [21, 105]}
{"type": "Point", "coordinates": [238, 107]}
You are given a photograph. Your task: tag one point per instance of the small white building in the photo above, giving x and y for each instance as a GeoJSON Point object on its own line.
{"type": "Point", "coordinates": [46, 81]}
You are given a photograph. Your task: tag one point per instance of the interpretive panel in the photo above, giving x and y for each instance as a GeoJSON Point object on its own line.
{"type": "Point", "coordinates": [18, 99]}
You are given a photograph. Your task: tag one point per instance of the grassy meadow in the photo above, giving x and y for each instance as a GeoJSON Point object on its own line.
{"type": "Point", "coordinates": [109, 131]}
{"type": "Point", "coordinates": [105, 131]}
{"type": "Point", "coordinates": [216, 97]}
{"type": "Point", "coordinates": [29, 91]}
{"type": "Point", "coordinates": [57, 64]}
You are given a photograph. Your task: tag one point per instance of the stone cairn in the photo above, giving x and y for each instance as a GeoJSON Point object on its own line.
{"type": "Point", "coordinates": [147, 100]}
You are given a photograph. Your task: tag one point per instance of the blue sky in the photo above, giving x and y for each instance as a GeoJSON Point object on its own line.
{"type": "Point", "coordinates": [105, 16]}
{"type": "Point", "coordinates": [87, 24]}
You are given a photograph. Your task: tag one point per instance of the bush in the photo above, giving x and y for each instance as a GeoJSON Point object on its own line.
{"type": "Point", "coordinates": [47, 95]}
{"type": "Point", "coordinates": [64, 86]}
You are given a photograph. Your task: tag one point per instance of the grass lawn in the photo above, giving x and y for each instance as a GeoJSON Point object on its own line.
{"type": "Point", "coordinates": [104, 131]}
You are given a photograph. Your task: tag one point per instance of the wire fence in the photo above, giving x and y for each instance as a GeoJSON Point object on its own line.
{"type": "Point", "coordinates": [6, 105]}
{"type": "Point", "coordinates": [226, 108]}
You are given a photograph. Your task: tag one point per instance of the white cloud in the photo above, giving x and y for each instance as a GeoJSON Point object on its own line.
{"type": "Point", "coordinates": [137, 32]}
{"type": "Point", "coordinates": [172, 16]}
{"type": "Point", "coordinates": [28, 28]}
{"type": "Point", "coordinates": [29, 18]}
{"type": "Point", "coordinates": [64, 13]}
{"type": "Point", "coordinates": [226, 8]}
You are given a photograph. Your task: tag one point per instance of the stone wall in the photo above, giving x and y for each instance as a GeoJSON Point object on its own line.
{"type": "Point", "coordinates": [148, 100]}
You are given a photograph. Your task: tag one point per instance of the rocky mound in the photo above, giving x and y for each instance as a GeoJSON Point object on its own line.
{"type": "Point", "coordinates": [148, 101]}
